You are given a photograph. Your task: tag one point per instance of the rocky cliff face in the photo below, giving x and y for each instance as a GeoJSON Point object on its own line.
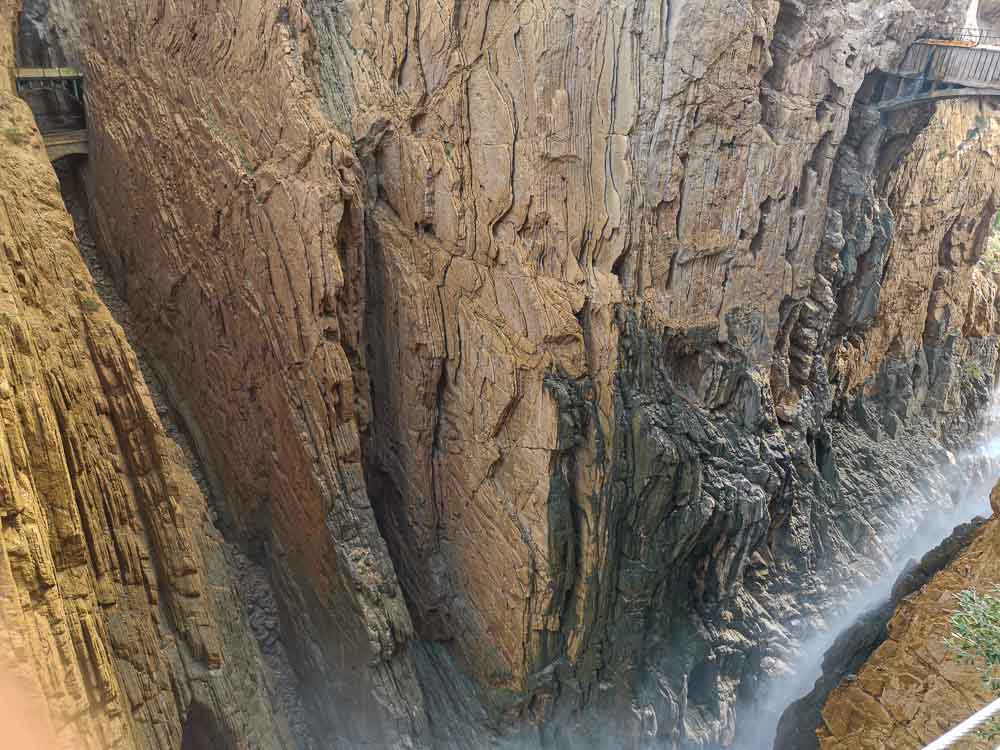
{"type": "Point", "coordinates": [120, 626]}
{"type": "Point", "coordinates": [907, 688]}
{"type": "Point", "coordinates": [834, 704]}
{"type": "Point", "coordinates": [589, 352]}
{"type": "Point", "coordinates": [258, 205]}
{"type": "Point", "coordinates": [988, 15]}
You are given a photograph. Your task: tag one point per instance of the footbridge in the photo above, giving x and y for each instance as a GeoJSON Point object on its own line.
{"type": "Point", "coordinates": [953, 65]}
{"type": "Point", "coordinates": [55, 96]}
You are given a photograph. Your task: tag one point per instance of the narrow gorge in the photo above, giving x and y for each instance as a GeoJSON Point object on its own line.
{"type": "Point", "coordinates": [535, 374]}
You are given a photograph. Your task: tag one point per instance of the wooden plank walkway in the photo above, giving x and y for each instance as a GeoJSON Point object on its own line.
{"type": "Point", "coordinates": [56, 98]}
{"type": "Point", "coordinates": [47, 74]}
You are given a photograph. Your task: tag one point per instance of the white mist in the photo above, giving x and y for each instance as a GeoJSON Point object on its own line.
{"type": "Point", "coordinates": [973, 474]}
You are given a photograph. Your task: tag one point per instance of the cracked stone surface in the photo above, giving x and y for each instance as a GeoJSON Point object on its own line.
{"type": "Point", "coordinates": [889, 681]}
{"type": "Point", "coordinates": [564, 363]}
{"type": "Point", "coordinates": [912, 688]}
{"type": "Point", "coordinates": [120, 626]}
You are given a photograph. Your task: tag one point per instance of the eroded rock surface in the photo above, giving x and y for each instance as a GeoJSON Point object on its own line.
{"type": "Point", "coordinates": [912, 688]}
{"type": "Point", "coordinates": [834, 701]}
{"type": "Point", "coordinates": [989, 16]}
{"type": "Point", "coordinates": [120, 626]}
{"type": "Point", "coordinates": [637, 285]}
{"type": "Point", "coordinates": [598, 347]}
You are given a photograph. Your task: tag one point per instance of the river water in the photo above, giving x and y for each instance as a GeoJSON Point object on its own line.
{"type": "Point", "coordinates": [972, 474]}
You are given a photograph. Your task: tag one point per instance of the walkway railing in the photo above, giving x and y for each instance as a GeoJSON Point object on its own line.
{"type": "Point", "coordinates": [968, 37]}
{"type": "Point", "coordinates": [967, 727]}
{"type": "Point", "coordinates": [55, 96]}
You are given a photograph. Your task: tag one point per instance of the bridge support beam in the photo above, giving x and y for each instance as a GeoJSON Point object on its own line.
{"type": "Point", "coordinates": [69, 143]}
{"type": "Point", "coordinates": [926, 97]}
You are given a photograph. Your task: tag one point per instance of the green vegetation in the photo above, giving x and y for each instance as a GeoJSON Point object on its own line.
{"type": "Point", "coordinates": [244, 161]}
{"type": "Point", "coordinates": [90, 304]}
{"type": "Point", "coordinates": [15, 136]}
{"type": "Point", "coordinates": [975, 638]}
{"type": "Point", "coordinates": [975, 633]}
{"type": "Point", "coordinates": [982, 123]}
{"type": "Point", "coordinates": [973, 369]}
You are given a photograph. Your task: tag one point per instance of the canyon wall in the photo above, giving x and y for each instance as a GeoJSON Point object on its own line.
{"type": "Point", "coordinates": [856, 644]}
{"type": "Point", "coordinates": [590, 352]}
{"type": "Point", "coordinates": [225, 202]}
{"type": "Point", "coordinates": [909, 687]}
{"type": "Point", "coordinates": [120, 626]}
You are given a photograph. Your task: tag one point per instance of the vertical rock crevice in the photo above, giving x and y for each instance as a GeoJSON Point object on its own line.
{"type": "Point", "coordinates": [273, 384]}
{"type": "Point", "coordinates": [607, 432]}
{"type": "Point", "coordinates": [254, 592]}
{"type": "Point", "coordinates": [116, 595]}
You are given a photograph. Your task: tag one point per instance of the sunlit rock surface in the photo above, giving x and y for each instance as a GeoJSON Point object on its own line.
{"type": "Point", "coordinates": [913, 689]}
{"type": "Point", "coordinates": [119, 622]}
{"type": "Point", "coordinates": [837, 705]}
{"type": "Point", "coordinates": [563, 362]}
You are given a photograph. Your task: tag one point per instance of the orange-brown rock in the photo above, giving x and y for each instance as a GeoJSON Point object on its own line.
{"type": "Point", "coordinates": [118, 615]}
{"type": "Point", "coordinates": [603, 344]}
{"type": "Point", "coordinates": [913, 689]}
{"type": "Point", "coordinates": [932, 290]}
{"type": "Point", "coordinates": [249, 206]}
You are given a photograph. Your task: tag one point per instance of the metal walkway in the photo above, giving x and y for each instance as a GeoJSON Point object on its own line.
{"type": "Point", "coordinates": [55, 96]}
{"type": "Point", "coordinates": [958, 64]}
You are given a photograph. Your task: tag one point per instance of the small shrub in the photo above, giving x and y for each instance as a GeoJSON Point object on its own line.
{"type": "Point", "coordinates": [942, 154]}
{"type": "Point", "coordinates": [973, 369]}
{"type": "Point", "coordinates": [975, 633]}
{"type": "Point", "coordinates": [975, 639]}
{"type": "Point", "coordinates": [90, 304]}
{"type": "Point", "coordinates": [990, 259]}
{"type": "Point", "coordinates": [244, 161]}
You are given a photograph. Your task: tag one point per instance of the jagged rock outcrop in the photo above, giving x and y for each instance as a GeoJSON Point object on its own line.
{"type": "Point", "coordinates": [119, 621]}
{"type": "Point", "coordinates": [640, 314]}
{"type": "Point", "coordinates": [911, 688]}
{"type": "Point", "coordinates": [598, 346]}
{"type": "Point", "coordinates": [853, 648]}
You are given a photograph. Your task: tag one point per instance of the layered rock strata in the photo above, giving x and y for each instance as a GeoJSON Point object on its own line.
{"type": "Point", "coordinates": [599, 347]}
{"type": "Point", "coordinates": [120, 626]}
{"type": "Point", "coordinates": [260, 297]}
